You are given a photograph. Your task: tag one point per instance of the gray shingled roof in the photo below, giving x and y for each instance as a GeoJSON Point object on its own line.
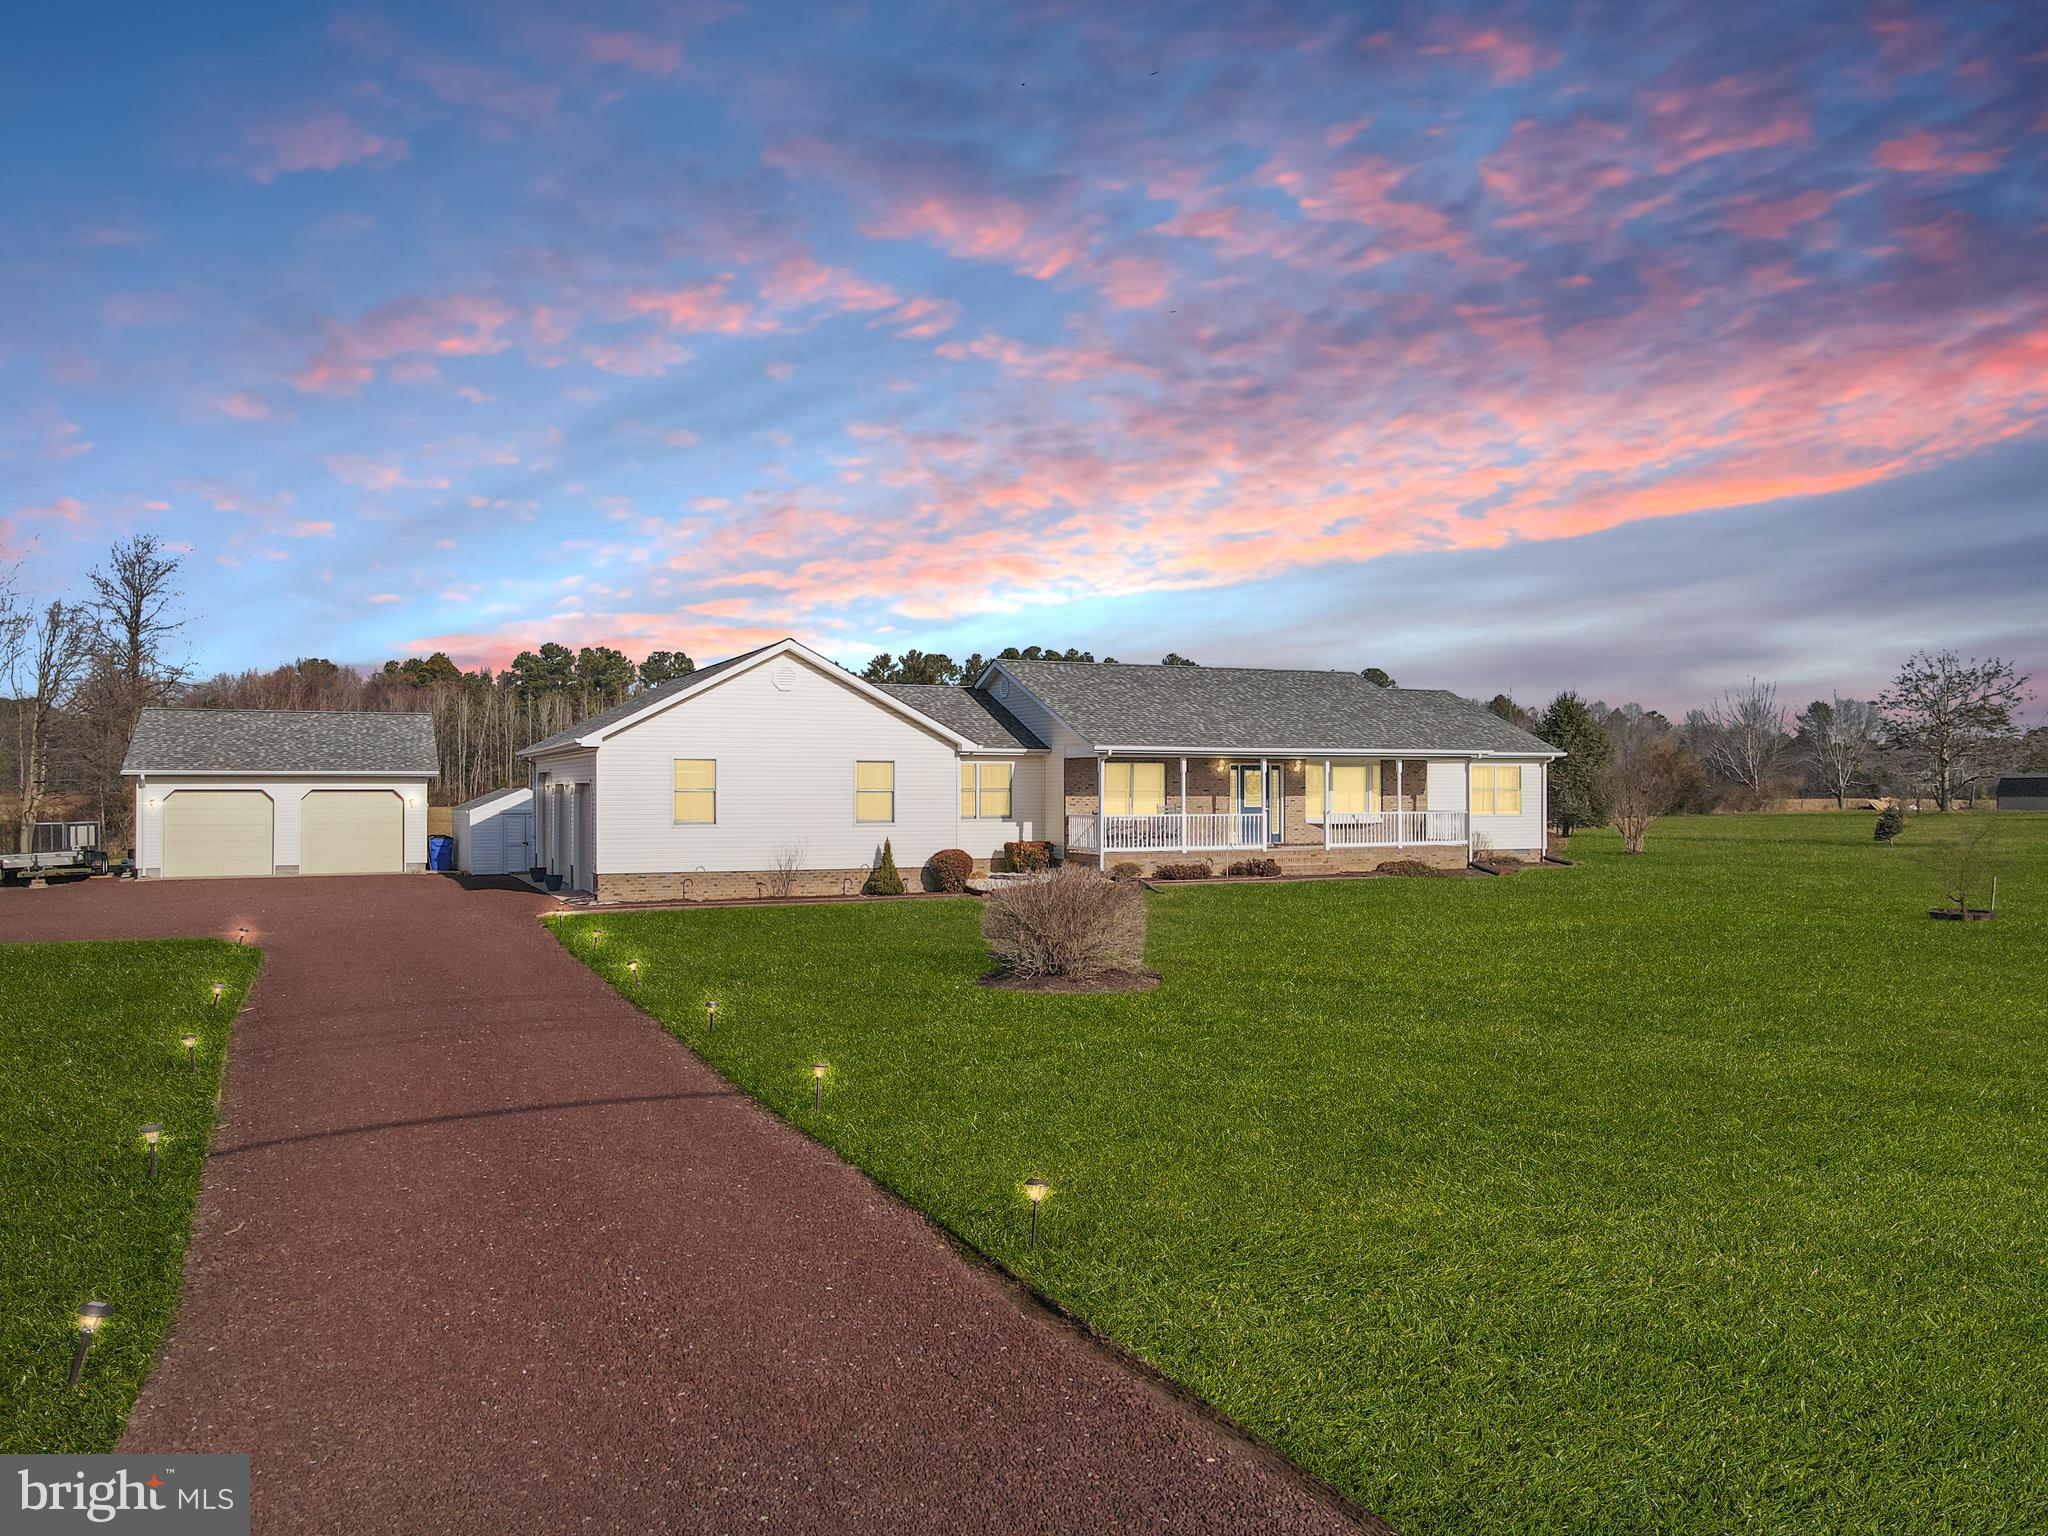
{"type": "Point", "coordinates": [635, 704]}
{"type": "Point", "coordinates": [258, 741]}
{"type": "Point", "coordinates": [974, 715]}
{"type": "Point", "coordinates": [2015, 786]}
{"type": "Point", "coordinates": [1255, 709]}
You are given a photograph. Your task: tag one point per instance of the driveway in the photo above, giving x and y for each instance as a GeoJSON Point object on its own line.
{"type": "Point", "coordinates": [482, 1248]}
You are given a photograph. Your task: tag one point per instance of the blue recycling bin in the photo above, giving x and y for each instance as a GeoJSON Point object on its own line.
{"type": "Point", "coordinates": [440, 853]}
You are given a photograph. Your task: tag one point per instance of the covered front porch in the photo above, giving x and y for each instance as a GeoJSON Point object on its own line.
{"type": "Point", "coordinates": [1160, 805]}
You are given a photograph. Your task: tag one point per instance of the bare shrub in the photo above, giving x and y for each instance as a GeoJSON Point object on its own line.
{"type": "Point", "coordinates": [1413, 869]}
{"type": "Point", "coordinates": [789, 863]}
{"type": "Point", "coordinates": [1126, 871]}
{"type": "Point", "coordinates": [1075, 922]}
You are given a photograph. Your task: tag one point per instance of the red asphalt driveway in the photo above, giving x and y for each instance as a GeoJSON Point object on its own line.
{"type": "Point", "coordinates": [481, 1248]}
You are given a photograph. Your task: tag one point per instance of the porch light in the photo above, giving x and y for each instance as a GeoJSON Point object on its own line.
{"type": "Point", "coordinates": [1035, 1190]}
{"type": "Point", "coordinates": [90, 1317]}
{"type": "Point", "coordinates": [818, 1082]}
{"type": "Point", "coordinates": [151, 1135]}
{"type": "Point", "coordinates": [191, 1043]}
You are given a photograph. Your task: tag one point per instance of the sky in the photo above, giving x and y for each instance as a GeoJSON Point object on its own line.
{"type": "Point", "coordinates": [1639, 348]}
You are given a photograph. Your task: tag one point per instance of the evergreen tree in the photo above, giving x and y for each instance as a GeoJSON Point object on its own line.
{"type": "Point", "coordinates": [886, 880]}
{"type": "Point", "coordinates": [665, 667]}
{"type": "Point", "coordinates": [1378, 677]}
{"type": "Point", "coordinates": [1577, 798]}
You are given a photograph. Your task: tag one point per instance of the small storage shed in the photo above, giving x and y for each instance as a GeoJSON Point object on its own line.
{"type": "Point", "coordinates": [223, 792]}
{"type": "Point", "coordinates": [2023, 792]}
{"type": "Point", "coordinates": [494, 833]}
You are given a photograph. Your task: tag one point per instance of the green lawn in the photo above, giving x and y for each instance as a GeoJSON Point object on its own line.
{"type": "Point", "coordinates": [89, 1034]}
{"type": "Point", "coordinates": [1701, 1191]}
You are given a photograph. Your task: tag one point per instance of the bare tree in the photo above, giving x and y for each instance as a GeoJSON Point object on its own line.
{"type": "Point", "coordinates": [132, 632]}
{"type": "Point", "coordinates": [1647, 778]}
{"type": "Point", "coordinates": [1742, 736]}
{"type": "Point", "coordinates": [1837, 740]}
{"type": "Point", "coordinates": [1945, 714]}
{"type": "Point", "coordinates": [58, 643]}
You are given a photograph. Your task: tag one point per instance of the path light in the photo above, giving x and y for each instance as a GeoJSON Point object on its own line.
{"type": "Point", "coordinates": [634, 967]}
{"type": "Point", "coordinates": [596, 937]}
{"type": "Point", "coordinates": [151, 1135]}
{"type": "Point", "coordinates": [241, 935]}
{"type": "Point", "coordinates": [710, 1019]}
{"type": "Point", "coordinates": [191, 1043]}
{"type": "Point", "coordinates": [1035, 1190]}
{"type": "Point", "coordinates": [218, 988]}
{"type": "Point", "coordinates": [90, 1316]}
{"type": "Point", "coordinates": [818, 1082]}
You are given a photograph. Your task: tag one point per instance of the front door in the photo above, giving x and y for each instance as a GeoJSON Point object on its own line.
{"type": "Point", "coordinates": [1247, 794]}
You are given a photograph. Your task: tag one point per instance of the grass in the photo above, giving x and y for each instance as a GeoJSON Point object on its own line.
{"type": "Point", "coordinates": [90, 1037]}
{"type": "Point", "coordinates": [1700, 1191]}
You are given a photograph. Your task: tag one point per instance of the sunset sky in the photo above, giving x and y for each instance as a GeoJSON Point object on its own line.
{"type": "Point", "coordinates": [1632, 347]}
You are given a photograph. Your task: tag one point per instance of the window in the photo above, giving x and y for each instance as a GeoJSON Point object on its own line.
{"type": "Point", "coordinates": [1497, 789]}
{"type": "Point", "coordinates": [1133, 789]}
{"type": "Point", "coordinates": [1350, 789]}
{"type": "Point", "coordinates": [985, 790]}
{"type": "Point", "coordinates": [874, 791]}
{"type": "Point", "coordinates": [696, 789]}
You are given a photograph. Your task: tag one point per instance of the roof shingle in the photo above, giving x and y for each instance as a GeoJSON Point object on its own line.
{"type": "Point", "coordinates": [974, 715]}
{"type": "Point", "coordinates": [1258, 709]}
{"type": "Point", "coordinates": [258, 741]}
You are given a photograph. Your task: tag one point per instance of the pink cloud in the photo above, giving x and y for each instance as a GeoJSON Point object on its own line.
{"type": "Point", "coordinates": [1924, 153]}
{"type": "Point", "coordinates": [244, 406]}
{"type": "Point", "coordinates": [65, 509]}
{"type": "Point", "coordinates": [648, 355]}
{"type": "Point", "coordinates": [447, 325]}
{"type": "Point", "coordinates": [923, 318]}
{"type": "Point", "coordinates": [324, 141]}
{"type": "Point", "coordinates": [1508, 55]}
{"type": "Point", "coordinates": [798, 282]}
{"type": "Point", "coordinates": [700, 307]}
{"type": "Point", "coordinates": [1731, 116]}
{"type": "Point", "coordinates": [1776, 218]}
{"type": "Point", "coordinates": [635, 51]}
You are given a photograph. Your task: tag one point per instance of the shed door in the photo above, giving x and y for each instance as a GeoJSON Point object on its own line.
{"type": "Point", "coordinates": [351, 832]}
{"type": "Point", "coordinates": [518, 835]}
{"type": "Point", "coordinates": [212, 832]}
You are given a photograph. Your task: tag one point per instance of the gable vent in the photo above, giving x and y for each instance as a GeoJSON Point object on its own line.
{"type": "Point", "coordinates": [784, 678]}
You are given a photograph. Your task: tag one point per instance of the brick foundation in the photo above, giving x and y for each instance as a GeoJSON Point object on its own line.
{"type": "Point", "coordinates": [1292, 860]}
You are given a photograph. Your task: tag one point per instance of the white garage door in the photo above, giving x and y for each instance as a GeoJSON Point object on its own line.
{"type": "Point", "coordinates": [217, 832]}
{"type": "Point", "coordinates": [351, 832]}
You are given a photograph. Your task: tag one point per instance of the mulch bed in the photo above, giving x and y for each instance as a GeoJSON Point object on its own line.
{"type": "Point", "coordinates": [1106, 981]}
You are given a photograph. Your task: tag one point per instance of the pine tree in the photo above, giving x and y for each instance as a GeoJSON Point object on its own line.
{"type": "Point", "coordinates": [885, 881]}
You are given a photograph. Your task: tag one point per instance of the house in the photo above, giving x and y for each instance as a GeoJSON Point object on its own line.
{"type": "Point", "coordinates": [778, 770]}
{"type": "Point", "coordinates": [494, 833]}
{"type": "Point", "coordinates": [2023, 792]}
{"type": "Point", "coordinates": [279, 792]}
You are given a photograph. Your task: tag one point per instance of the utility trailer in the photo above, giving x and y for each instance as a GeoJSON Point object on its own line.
{"type": "Point", "coordinates": [56, 845]}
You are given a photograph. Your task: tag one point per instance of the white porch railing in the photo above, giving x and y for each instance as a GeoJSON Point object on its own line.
{"type": "Point", "coordinates": [1393, 829]}
{"type": "Point", "coordinates": [1167, 832]}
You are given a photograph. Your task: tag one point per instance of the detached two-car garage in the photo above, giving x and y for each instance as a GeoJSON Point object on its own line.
{"type": "Point", "coordinates": [224, 793]}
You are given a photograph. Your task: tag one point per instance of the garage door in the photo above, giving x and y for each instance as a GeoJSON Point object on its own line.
{"type": "Point", "coordinates": [217, 832]}
{"type": "Point", "coordinates": [351, 832]}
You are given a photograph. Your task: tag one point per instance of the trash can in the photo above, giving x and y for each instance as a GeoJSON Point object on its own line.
{"type": "Point", "coordinates": [440, 853]}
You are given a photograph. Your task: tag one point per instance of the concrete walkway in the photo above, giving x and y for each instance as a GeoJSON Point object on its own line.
{"type": "Point", "coordinates": [482, 1249]}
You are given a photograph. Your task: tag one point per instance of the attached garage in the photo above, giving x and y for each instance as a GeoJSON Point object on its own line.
{"type": "Point", "coordinates": [218, 832]}
{"type": "Point", "coordinates": [223, 793]}
{"type": "Point", "coordinates": [351, 832]}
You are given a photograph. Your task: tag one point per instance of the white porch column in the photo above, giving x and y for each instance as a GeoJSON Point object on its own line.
{"type": "Point", "coordinates": [1265, 804]}
{"type": "Point", "coordinates": [1183, 805]}
{"type": "Point", "coordinates": [1101, 810]}
{"type": "Point", "coordinates": [1400, 809]}
{"type": "Point", "coordinates": [1326, 802]}
{"type": "Point", "coordinates": [1469, 763]}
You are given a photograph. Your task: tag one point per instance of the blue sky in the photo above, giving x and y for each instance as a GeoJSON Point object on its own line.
{"type": "Point", "coordinates": [1634, 348]}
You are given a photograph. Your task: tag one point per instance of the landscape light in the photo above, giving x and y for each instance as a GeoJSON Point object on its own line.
{"type": "Point", "coordinates": [151, 1135]}
{"type": "Point", "coordinates": [218, 988]}
{"type": "Point", "coordinates": [818, 1082]}
{"type": "Point", "coordinates": [1035, 1190]}
{"type": "Point", "coordinates": [241, 935]}
{"type": "Point", "coordinates": [191, 1043]}
{"type": "Point", "coordinates": [596, 937]}
{"type": "Point", "coordinates": [634, 967]}
{"type": "Point", "coordinates": [710, 1018]}
{"type": "Point", "coordinates": [90, 1316]}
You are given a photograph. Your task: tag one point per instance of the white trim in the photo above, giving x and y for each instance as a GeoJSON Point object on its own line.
{"type": "Point", "coordinates": [1291, 753]}
{"type": "Point", "coordinates": [285, 773]}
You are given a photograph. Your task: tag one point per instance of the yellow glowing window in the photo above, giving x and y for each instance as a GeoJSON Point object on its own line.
{"type": "Point", "coordinates": [874, 791]}
{"type": "Point", "coordinates": [1134, 789]}
{"type": "Point", "coordinates": [1350, 789]}
{"type": "Point", "coordinates": [696, 789]}
{"type": "Point", "coordinates": [1497, 789]}
{"type": "Point", "coordinates": [985, 790]}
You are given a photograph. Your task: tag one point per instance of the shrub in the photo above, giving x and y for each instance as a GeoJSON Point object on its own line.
{"type": "Point", "coordinates": [1413, 868]}
{"type": "Point", "coordinates": [1075, 923]}
{"type": "Point", "coordinates": [950, 868]}
{"type": "Point", "coordinates": [885, 881]}
{"type": "Point", "coordinates": [1028, 856]}
{"type": "Point", "coordinates": [1126, 871]}
{"type": "Point", "coordinates": [1891, 821]}
{"type": "Point", "coordinates": [1182, 872]}
{"type": "Point", "coordinates": [1264, 868]}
